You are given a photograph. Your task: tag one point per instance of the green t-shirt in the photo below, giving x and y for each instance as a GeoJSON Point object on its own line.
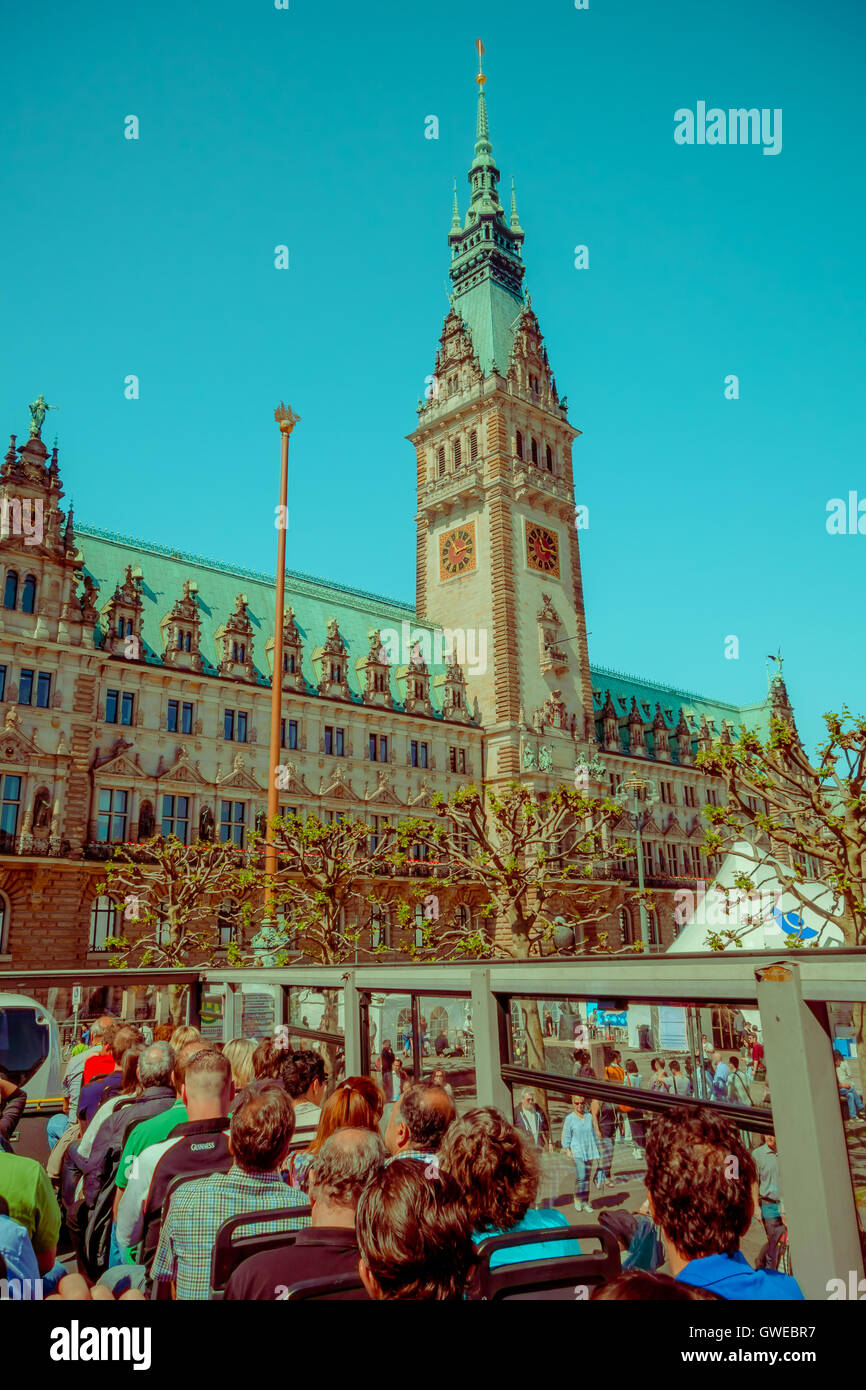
{"type": "Point", "coordinates": [27, 1188]}
{"type": "Point", "coordinates": [151, 1131]}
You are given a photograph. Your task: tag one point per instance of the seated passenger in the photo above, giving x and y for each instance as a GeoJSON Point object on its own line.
{"type": "Point", "coordinates": [261, 1133]}
{"type": "Point", "coordinates": [496, 1171]}
{"type": "Point", "coordinates": [703, 1204]}
{"type": "Point", "coordinates": [418, 1122]}
{"type": "Point", "coordinates": [200, 1143]}
{"type": "Point", "coordinates": [414, 1236]}
{"type": "Point", "coordinates": [339, 1172]}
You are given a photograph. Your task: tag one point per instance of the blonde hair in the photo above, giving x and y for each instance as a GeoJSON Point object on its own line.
{"type": "Point", "coordinates": [239, 1054]}
{"type": "Point", "coordinates": [184, 1034]}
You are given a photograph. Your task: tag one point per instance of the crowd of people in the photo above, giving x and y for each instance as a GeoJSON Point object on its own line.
{"type": "Point", "coordinates": [167, 1141]}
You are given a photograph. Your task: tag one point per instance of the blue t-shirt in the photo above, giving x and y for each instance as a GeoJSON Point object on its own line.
{"type": "Point", "coordinates": [543, 1219]}
{"type": "Point", "coordinates": [17, 1250]}
{"type": "Point", "coordinates": [731, 1276]}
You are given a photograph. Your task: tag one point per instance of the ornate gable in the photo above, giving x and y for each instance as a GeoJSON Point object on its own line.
{"type": "Point", "coordinates": [338, 786]}
{"type": "Point", "coordinates": [374, 673]}
{"type": "Point", "coordinates": [293, 653]}
{"type": "Point", "coordinates": [383, 792]}
{"type": "Point", "coordinates": [181, 770]}
{"type": "Point", "coordinates": [239, 778]}
{"type": "Point", "coordinates": [181, 631]}
{"type": "Point", "coordinates": [119, 762]}
{"type": "Point", "coordinates": [234, 643]}
{"type": "Point", "coordinates": [15, 746]}
{"type": "Point", "coordinates": [290, 780]}
{"type": "Point", "coordinates": [529, 368]}
{"type": "Point", "coordinates": [121, 617]}
{"type": "Point", "coordinates": [331, 662]}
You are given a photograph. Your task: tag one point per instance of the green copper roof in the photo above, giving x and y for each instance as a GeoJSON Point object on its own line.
{"type": "Point", "coordinates": [486, 264]}
{"type": "Point", "coordinates": [163, 571]}
{"type": "Point", "coordinates": [671, 699]}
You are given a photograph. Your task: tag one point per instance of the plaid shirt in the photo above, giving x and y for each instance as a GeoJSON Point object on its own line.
{"type": "Point", "coordinates": [197, 1211]}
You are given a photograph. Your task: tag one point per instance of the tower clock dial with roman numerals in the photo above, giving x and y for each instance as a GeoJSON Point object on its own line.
{"type": "Point", "coordinates": [542, 549]}
{"type": "Point", "coordinates": [457, 553]}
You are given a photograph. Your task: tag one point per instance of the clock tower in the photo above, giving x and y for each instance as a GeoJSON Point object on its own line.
{"type": "Point", "coordinates": [498, 564]}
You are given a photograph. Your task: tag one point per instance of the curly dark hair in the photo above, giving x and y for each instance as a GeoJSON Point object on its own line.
{"type": "Point", "coordinates": [699, 1176]}
{"type": "Point", "coordinates": [494, 1167]}
{"type": "Point", "coordinates": [414, 1233]}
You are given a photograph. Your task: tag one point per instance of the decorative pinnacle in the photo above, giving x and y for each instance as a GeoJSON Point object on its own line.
{"type": "Point", "coordinates": [286, 418]}
{"type": "Point", "coordinates": [455, 216]}
{"type": "Point", "coordinates": [480, 79]}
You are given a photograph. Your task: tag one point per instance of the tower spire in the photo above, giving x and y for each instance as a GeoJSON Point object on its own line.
{"type": "Point", "coordinates": [486, 264]}
{"type": "Point", "coordinates": [455, 216]}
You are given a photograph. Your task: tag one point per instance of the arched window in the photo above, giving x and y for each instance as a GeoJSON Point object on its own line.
{"type": "Point", "coordinates": [120, 627]}
{"type": "Point", "coordinates": [129, 627]}
{"type": "Point", "coordinates": [5, 915]}
{"type": "Point", "coordinates": [535, 451]}
{"type": "Point", "coordinates": [10, 589]}
{"type": "Point", "coordinates": [103, 923]}
{"type": "Point", "coordinates": [457, 453]}
{"type": "Point", "coordinates": [653, 926]}
{"type": "Point", "coordinates": [549, 458]}
{"type": "Point", "coordinates": [227, 922]}
{"type": "Point", "coordinates": [380, 926]}
{"type": "Point", "coordinates": [179, 640]}
{"type": "Point", "coordinates": [440, 461]}
{"type": "Point", "coordinates": [473, 444]}
{"type": "Point", "coordinates": [243, 652]}
{"type": "Point", "coordinates": [28, 594]}
{"type": "Point", "coordinates": [626, 927]}
{"type": "Point", "coordinates": [187, 642]}
{"type": "Point", "coordinates": [234, 651]}
{"type": "Point", "coordinates": [519, 445]}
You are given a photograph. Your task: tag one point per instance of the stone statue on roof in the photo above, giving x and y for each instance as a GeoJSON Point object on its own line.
{"type": "Point", "coordinates": [38, 410]}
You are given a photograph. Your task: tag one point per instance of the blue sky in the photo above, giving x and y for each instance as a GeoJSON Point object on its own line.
{"type": "Point", "coordinates": [260, 127]}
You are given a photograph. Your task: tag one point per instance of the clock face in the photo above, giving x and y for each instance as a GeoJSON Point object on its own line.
{"type": "Point", "coordinates": [457, 551]}
{"type": "Point", "coordinates": [542, 549]}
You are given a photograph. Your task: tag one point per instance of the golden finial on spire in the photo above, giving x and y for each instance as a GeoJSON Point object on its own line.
{"type": "Point", "coordinates": [480, 79]}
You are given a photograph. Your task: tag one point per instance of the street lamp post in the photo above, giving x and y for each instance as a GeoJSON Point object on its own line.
{"type": "Point", "coordinates": [286, 419]}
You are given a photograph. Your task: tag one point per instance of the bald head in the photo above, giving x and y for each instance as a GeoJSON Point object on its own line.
{"type": "Point", "coordinates": [340, 1171]}
{"type": "Point", "coordinates": [419, 1119]}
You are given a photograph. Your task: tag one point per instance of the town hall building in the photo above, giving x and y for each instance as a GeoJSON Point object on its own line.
{"type": "Point", "coordinates": [135, 679]}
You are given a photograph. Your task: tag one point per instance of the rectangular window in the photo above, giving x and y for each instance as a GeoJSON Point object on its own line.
{"type": "Point", "coordinates": [282, 733]}
{"type": "Point", "coordinates": [373, 747]}
{"type": "Point", "coordinates": [232, 815]}
{"type": "Point", "coordinates": [229, 724]}
{"type": "Point", "coordinates": [383, 749]}
{"type": "Point", "coordinates": [293, 733]}
{"type": "Point", "coordinates": [688, 796]}
{"type": "Point", "coordinates": [173, 716]}
{"type": "Point", "coordinates": [452, 759]}
{"type": "Point", "coordinates": [126, 707]}
{"type": "Point", "coordinates": [461, 760]}
{"type": "Point", "coordinates": [186, 717]}
{"type": "Point", "coordinates": [423, 754]}
{"type": "Point", "coordinates": [111, 700]}
{"type": "Point", "coordinates": [25, 688]}
{"type": "Point", "coordinates": [242, 727]}
{"type": "Point", "coordinates": [329, 739]}
{"type": "Point", "coordinates": [413, 752]}
{"type": "Point", "coordinates": [339, 742]}
{"type": "Point", "coordinates": [712, 797]}
{"type": "Point", "coordinates": [43, 690]}
{"type": "Point", "coordinates": [10, 808]}
{"type": "Point", "coordinates": [2, 682]}
{"type": "Point", "coordinates": [113, 812]}
{"type": "Point", "coordinates": [175, 817]}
